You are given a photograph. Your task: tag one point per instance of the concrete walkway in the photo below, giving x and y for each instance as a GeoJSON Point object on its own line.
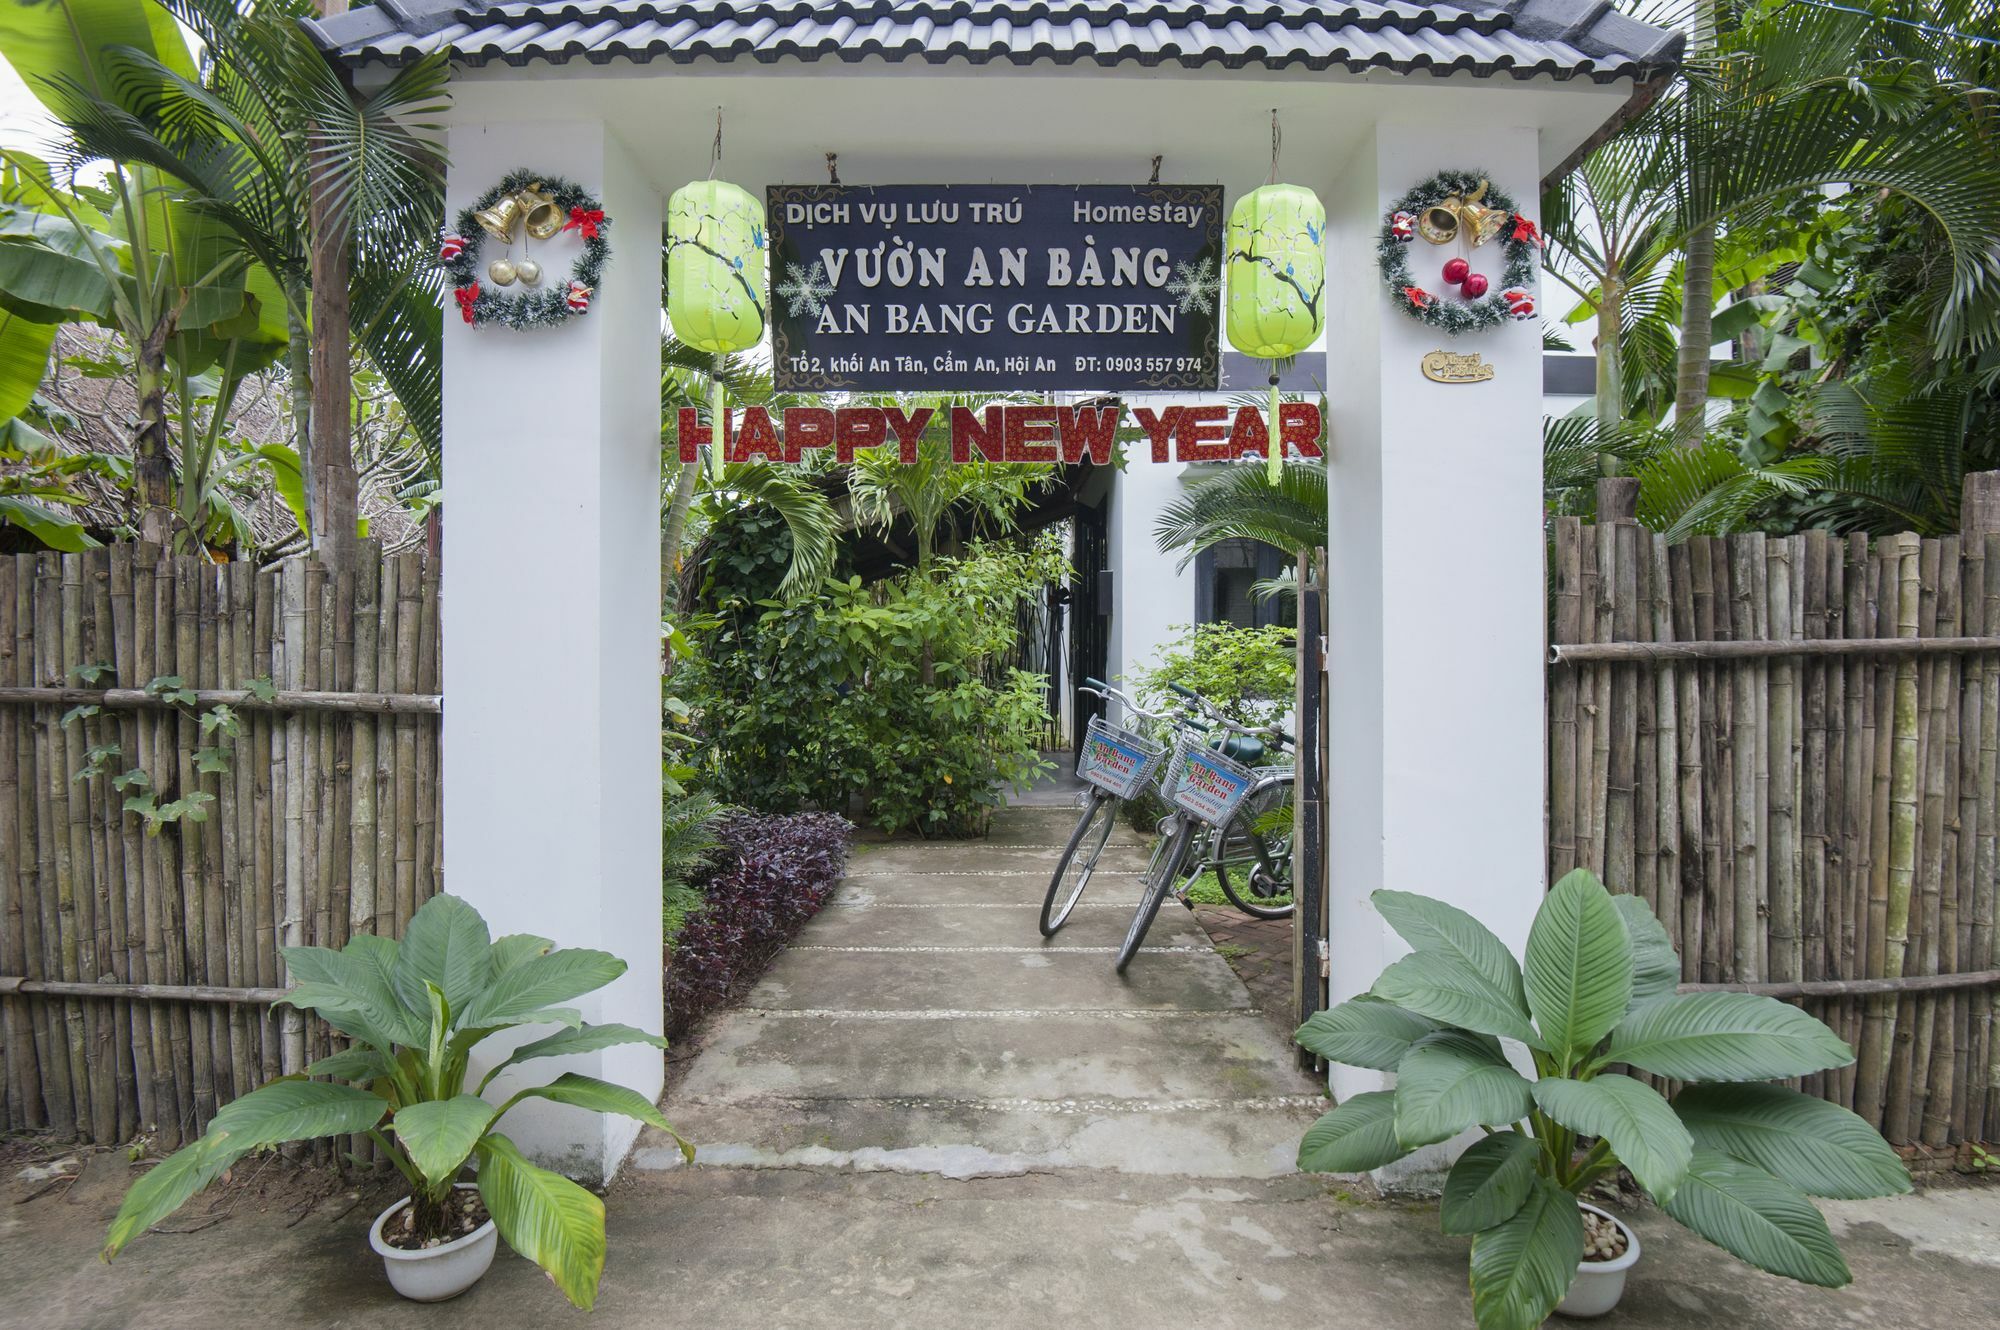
{"type": "Point", "coordinates": [921, 1024]}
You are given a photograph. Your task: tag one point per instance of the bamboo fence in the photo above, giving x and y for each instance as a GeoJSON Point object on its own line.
{"type": "Point", "coordinates": [137, 971]}
{"type": "Point", "coordinates": [1802, 785]}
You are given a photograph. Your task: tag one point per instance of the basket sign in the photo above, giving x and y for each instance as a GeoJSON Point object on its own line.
{"type": "Point", "coordinates": [1115, 761]}
{"type": "Point", "coordinates": [1209, 785]}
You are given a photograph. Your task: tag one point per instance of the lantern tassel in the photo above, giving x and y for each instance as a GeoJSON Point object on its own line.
{"type": "Point", "coordinates": [718, 422]}
{"type": "Point", "coordinates": [1274, 451]}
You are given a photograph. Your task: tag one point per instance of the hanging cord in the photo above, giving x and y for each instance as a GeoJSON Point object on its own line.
{"type": "Point", "coordinates": [1274, 453]}
{"type": "Point", "coordinates": [715, 152]}
{"type": "Point", "coordinates": [1277, 146]}
{"type": "Point", "coordinates": [718, 416]}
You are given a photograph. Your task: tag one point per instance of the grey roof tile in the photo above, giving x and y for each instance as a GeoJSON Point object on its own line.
{"type": "Point", "coordinates": [1563, 38]}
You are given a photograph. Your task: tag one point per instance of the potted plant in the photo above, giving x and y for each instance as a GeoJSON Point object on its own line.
{"type": "Point", "coordinates": [1732, 1157]}
{"type": "Point", "coordinates": [415, 1010]}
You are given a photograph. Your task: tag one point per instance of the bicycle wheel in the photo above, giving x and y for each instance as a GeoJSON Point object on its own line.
{"type": "Point", "coordinates": [1254, 868]}
{"type": "Point", "coordinates": [1079, 860]}
{"type": "Point", "coordinates": [1167, 859]}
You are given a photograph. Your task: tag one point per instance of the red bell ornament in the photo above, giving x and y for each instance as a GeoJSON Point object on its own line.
{"type": "Point", "coordinates": [1456, 270]}
{"type": "Point", "coordinates": [1474, 286]}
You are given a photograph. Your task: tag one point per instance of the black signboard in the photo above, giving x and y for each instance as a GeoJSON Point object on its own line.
{"type": "Point", "coordinates": [993, 287]}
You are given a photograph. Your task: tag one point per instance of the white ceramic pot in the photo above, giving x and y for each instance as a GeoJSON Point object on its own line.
{"type": "Point", "coordinates": [1599, 1284]}
{"type": "Point", "coordinates": [433, 1274]}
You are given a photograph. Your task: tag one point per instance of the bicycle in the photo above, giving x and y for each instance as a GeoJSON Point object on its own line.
{"type": "Point", "coordinates": [1208, 784]}
{"type": "Point", "coordinates": [1117, 763]}
{"type": "Point", "coordinates": [1252, 856]}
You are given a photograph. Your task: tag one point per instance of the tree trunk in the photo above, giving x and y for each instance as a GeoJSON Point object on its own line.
{"type": "Point", "coordinates": [674, 531]}
{"type": "Point", "coordinates": [152, 468]}
{"type": "Point", "coordinates": [1697, 320]}
{"type": "Point", "coordinates": [1610, 365]}
{"type": "Point", "coordinates": [334, 489]}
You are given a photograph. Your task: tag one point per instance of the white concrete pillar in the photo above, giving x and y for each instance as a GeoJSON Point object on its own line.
{"type": "Point", "coordinates": [551, 621]}
{"type": "Point", "coordinates": [1435, 623]}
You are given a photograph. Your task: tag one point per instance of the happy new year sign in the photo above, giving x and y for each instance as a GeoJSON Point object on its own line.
{"type": "Point", "coordinates": [995, 287]}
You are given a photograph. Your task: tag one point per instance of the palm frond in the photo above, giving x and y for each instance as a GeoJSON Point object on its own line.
{"type": "Point", "coordinates": [1242, 504]}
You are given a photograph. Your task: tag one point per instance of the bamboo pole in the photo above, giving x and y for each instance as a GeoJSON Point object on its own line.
{"type": "Point", "coordinates": [1745, 826]}
{"type": "Point", "coordinates": [52, 843]}
{"type": "Point", "coordinates": [199, 993]}
{"type": "Point", "coordinates": [1620, 577]}
{"type": "Point", "coordinates": [1670, 777]}
{"type": "Point", "coordinates": [172, 1095]}
{"type": "Point", "coordinates": [389, 915]}
{"type": "Point", "coordinates": [1898, 875]}
{"type": "Point", "coordinates": [1692, 873]}
{"type": "Point", "coordinates": [1783, 934]}
{"type": "Point", "coordinates": [1618, 653]}
{"type": "Point", "coordinates": [409, 605]}
{"type": "Point", "coordinates": [23, 1090]}
{"type": "Point", "coordinates": [100, 1105]}
{"type": "Point", "coordinates": [1711, 621]}
{"type": "Point", "coordinates": [108, 851]}
{"type": "Point", "coordinates": [1984, 1112]}
{"type": "Point", "coordinates": [361, 900]}
{"type": "Point", "coordinates": [186, 838]}
{"type": "Point", "coordinates": [1829, 988]}
{"type": "Point", "coordinates": [292, 919]}
{"type": "Point", "coordinates": [267, 741]}
{"type": "Point", "coordinates": [331, 700]}
{"type": "Point", "coordinates": [429, 679]}
{"type": "Point", "coordinates": [1563, 703]}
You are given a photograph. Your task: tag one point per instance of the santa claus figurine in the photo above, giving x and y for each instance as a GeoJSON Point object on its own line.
{"type": "Point", "coordinates": [1520, 304]}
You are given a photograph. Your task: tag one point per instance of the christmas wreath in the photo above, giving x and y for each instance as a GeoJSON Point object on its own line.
{"type": "Point", "coordinates": [1462, 209]}
{"type": "Point", "coordinates": [535, 207]}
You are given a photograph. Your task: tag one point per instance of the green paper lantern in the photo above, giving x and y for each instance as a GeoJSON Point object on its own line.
{"type": "Point", "coordinates": [1276, 272]}
{"type": "Point", "coordinates": [715, 266]}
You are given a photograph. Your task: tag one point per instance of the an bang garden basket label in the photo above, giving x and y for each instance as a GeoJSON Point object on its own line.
{"type": "Point", "coordinates": [1117, 761]}
{"type": "Point", "coordinates": [1204, 784]}
{"type": "Point", "coordinates": [984, 287]}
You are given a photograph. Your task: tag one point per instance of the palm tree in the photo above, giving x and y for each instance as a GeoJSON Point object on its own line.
{"type": "Point", "coordinates": [1785, 103]}
{"type": "Point", "coordinates": [1242, 503]}
{"type": "Point", "coordinates": [330, 195]}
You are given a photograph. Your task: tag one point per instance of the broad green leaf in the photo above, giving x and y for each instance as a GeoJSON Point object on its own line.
{"type": "Point", "coordinates": [602, 1097]}
{"type": "Point", "coordinates": [360, 1063]}
{"type": "Point", "coordinates": [1363, 1032]}
{"type": "Point", "coordinates": [1522, 1266]}
{"type": "Point", "coordinates": [1490, 1183]}
{"type": "Point", "coordinates": [167, 1187]}
{"type": "Point", "coordinates": [438, 1134]}
{"type": "Point", "coordinates": [1642, 1130]}
{"type": "Point", "coordinates": [1820, 1148]}
{"type": "Point", "coordinates": [24, 359]}
{"type": "Point", "coordinates": [1725, 1037]}
{"type": "Point", "coordinates": [584, 1039]}
{"type": "Point", "coordinates": [1451, 1081]}
{"type": "Point", "coordinates": [47, 283]}
{"type": "Point", "coordinates": [445, 944]}
{"type": "Point", "coordinates": [1656, 966]}
{"type": "Point", "coordinates": [517, 949]}
{"type": "Point", "coordinates": [296, 1110]}
{"type": "Point", "coordinates": [1448, 990]}
{"type": "Point", "coordinates": [1578, 970]}
{"type": "Point", "coordinates": [1752, 1215]}
{"type": "Point", "coordinates": [51, 528]}
{"type": "Point", "coordinates": [351, 990]}
{"type": "Point", "coordinates": [517, 993]}
{"type": "Point", "coordinates": [57, 41]}
{"type": "Point", "coordinates": [1357, 1136]}
{"type": "Point", "coordinates": [545, 1217]}
{"type": "Point", "coordinates": [288, 479]}
{"type": "Point", "coordinates": [1432, 926]}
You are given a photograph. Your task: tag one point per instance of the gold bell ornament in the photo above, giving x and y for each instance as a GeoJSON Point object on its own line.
{"type": "Point", "coordinates": [1455, 216]}
{"type": "Point", "coordinates": [542, 216]}
{"type": "Point", "coordinates": [502, 219]}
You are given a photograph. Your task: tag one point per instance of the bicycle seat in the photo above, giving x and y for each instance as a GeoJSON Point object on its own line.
{"type": "Point", "coordinates": [1245, 748]}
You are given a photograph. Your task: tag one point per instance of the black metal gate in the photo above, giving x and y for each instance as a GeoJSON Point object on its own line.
{"type": "Point", "coordinates": [1309, 931]}
{"type": "Point", "coordinates": [1089, 615]}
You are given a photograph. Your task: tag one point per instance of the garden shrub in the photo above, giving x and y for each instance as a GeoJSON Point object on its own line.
{"type": "Point", "coordinates": [892, 692]}
{"type": "Point", "coordinates": [1250, 673]}
{"type": "Point", "coordinates": [769, 874]}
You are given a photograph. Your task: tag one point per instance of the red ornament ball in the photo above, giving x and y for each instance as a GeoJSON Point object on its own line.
{"type": "Point", "coordinates": [1455, 270]}
{"type": "Point", "coordinates": [1475, 286]}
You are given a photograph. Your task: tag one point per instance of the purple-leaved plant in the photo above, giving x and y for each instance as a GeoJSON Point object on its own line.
{"type": "Point", "coordinates": [771, 874]}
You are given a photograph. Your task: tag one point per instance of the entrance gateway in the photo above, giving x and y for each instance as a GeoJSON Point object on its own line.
{"type": "Point", "coordinates": [1435, 484]}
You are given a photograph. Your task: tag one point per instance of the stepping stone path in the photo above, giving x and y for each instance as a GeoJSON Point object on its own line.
{"type": "Point", "coordinates": [922, 1024]}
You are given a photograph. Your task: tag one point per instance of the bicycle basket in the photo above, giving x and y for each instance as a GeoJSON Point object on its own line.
{"type": "Point", "coordinates": [1203, 783]}
{"type": "Point", "coordinates": [1117, 760]}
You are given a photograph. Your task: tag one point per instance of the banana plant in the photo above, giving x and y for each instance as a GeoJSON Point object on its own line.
{"type": "Point", "coordinates": [1733, 1156]}
{"type": "Point", "coordinates": [415, 1011]}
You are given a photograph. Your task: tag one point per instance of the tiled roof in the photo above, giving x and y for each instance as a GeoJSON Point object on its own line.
{"type": "Point", "coordinates": [1586, 39]}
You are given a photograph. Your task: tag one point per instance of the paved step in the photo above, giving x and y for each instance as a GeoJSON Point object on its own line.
{"type": "Point", "coordinates": [1107, 886]}
{"type": "Point", "coordinates": [957, 857]}
{"type": "Point", "coordinates": [1098, 921]}
{"type": "Point", "coordinates": [1033, 979]}
{"type": "Point", "coordinates": [1050, 826]}
{"type": "Point", "coordinates": [986, 1137]}
{"type": "Point", "coordinates": [1020, 1055]}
